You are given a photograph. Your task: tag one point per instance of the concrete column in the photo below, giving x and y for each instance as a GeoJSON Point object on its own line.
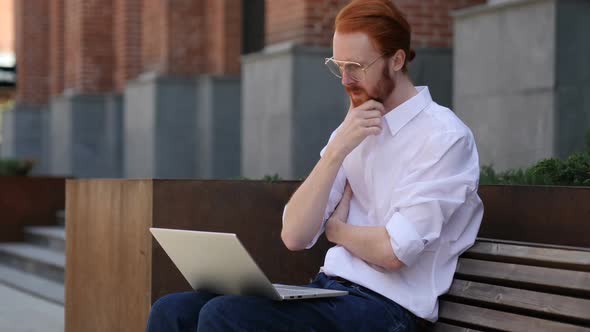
{"type": "Point", "coordinates": [85, 135]}
{"type": "Point", "coordinates": [182, 114]}
{"type": "Point", "coordinates": [22, 127]}
{"type": "Point", "coordinates": [521, 79]}
{"type": "Point", "coordinates": [286, 120]}
{"type": "Point", "coordinates": [160, 127]}
{"type": "Point", "coordinates": [219, 127]}
{"type": "Point", "coordinates": [22, 134]}
{"type": "Point", "coordinates": [86, 120]}
{"type": "Point", "coordinates": [182, 127]}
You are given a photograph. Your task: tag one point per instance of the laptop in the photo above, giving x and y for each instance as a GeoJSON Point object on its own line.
{"type": "Point", "coordinates": [219, 263]}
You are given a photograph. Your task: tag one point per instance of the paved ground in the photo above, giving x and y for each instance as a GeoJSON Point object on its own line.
{"type": "Point", "coordinates": [21, 312]}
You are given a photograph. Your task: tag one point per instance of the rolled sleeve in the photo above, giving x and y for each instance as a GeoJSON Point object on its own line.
{"type": "Point", "coordinates": [407, 244]}
{"type": "Point", "coordinates": [436, 187]}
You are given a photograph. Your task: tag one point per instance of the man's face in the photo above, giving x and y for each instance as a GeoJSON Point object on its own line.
{"type": "Point", "coordinates": [377, 83]}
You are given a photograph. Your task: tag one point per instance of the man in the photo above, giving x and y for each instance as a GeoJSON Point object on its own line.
{"type": "Point", "coordinates": [395, 190]}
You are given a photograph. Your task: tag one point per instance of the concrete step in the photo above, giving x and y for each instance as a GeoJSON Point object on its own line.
{"type": "Point", "coordinates": [51, 237]}
{"type": "Point", "coordinates": [33, 285]}
{"type": "Point", "coordinates": [29, 258]}
{"type": "Point", "coordinates": [60, 216]}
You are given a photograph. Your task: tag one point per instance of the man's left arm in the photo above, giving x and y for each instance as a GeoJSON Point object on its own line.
{"type": "Point", "coordinates": [433, 190]}
{"type": "Point", "coordinates": [371, 244]}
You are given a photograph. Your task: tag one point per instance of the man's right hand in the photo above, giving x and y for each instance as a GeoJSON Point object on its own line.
{"type": "Point", "coordinates": [359, 123]}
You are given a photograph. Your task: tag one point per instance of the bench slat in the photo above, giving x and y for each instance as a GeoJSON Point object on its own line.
{"type": "Point", "coordinates": [558, 307]}
{"type": "Point", "coordinates": [538, 256]}
{"type": "Point", "coordinates": [564, 282]}
{"type": "Point", "coordinates": [443, 327]}
{"type": "Point", "coordinates": [476, 317]}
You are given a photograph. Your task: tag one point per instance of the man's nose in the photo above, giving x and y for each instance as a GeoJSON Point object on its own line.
{"type": "Point", "coordinates": [346, 80]}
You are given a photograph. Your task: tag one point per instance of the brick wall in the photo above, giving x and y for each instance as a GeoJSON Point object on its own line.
{"type": "Point", "coordinates": [127, 41]}
{"type": "Point", "coordinates": [31, 48]}
{"type": "Point", "coordinates": [186, 37]}
{"type": "Point", "coordinates": [152, 35]}
{"type": "Point", "coordinates": [311, 22]}
{"type": "Point", "coordinates": [89, 52]}
{"type": "Point", "coordinates": [56, 49]}
{"type": "Point", "coordinates": [432, 26]}
{"type": "Point", "coordinates": [97, 45]}
{"type": "Point", "coordinates": [172, 37]}
{"type": "Point", "coordinates": [224, 36]}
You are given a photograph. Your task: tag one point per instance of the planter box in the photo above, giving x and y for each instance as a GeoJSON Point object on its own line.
{"type": "Point", "coordinates": [115, 270]}
{"type": "Point", "coordinates": [537, 214]}
{"type": "Point", "coordinates": [26, 201]}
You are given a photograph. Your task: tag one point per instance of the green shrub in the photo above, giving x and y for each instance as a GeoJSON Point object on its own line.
{"type": "Point", "coordinates": [573, 171]}
{"type": "Point", "coordinates": [12, 167]}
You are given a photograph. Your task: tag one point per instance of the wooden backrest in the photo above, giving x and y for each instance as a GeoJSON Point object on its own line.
{"type": "Point", "coordinates": [503, 286]}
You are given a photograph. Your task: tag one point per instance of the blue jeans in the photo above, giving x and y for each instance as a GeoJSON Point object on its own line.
{"type": "Point", "coordinates": [361, 310]}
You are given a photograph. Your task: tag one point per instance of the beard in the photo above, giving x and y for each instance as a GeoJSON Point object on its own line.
{"type": "Point", "coordinates": [384, 87]}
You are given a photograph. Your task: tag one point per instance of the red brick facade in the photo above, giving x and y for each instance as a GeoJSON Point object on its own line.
{"type": "Point", "coordinates": [172, 37]}
{"type": "Point", "coordinates": [96, 46]}
{"type": "Point", "coordinates": [89, 46]}
{"type": "Point", "coordinates": [311, 22]}
{"type": "Point", "coordinates": [56, 49]}
{"type": "Point", "coordinates": [186, 37]}
{"type": "Point", "coordinates": [31, 49]}
{"type": "Point", "coordinates": [224, 36]}
{"type": "Point", "coordinates": [432, 26]}
{"type": "Point", "coordinates": [127, 41]}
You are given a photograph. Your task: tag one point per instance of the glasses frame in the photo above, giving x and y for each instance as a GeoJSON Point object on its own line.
{"type": "Point", "coordinates": [342, 64]}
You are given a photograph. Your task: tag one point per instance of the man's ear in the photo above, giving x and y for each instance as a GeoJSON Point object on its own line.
{"type": "Point", "coordinates": [398, 60]}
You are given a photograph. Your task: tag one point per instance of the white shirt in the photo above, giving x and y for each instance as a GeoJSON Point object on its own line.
{"type": "Point", "coordinates": [419, 179]}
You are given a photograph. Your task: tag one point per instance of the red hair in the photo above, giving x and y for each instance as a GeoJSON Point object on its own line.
{"type": "Point", "coordinates": [382, 21]}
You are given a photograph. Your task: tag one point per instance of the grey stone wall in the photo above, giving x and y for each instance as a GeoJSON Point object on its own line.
{"type": "Point", "coordinates": [160, 128]}
{"type": "Point", "coordinates": [572, 71]}
{"type": "Point", "coordinates": [218, 127]}
{"type": "Point", "coordinates": [85, 136]}
{"type": "Point", "coordinates": [179, 127]}
{"type": "Point", "coordinates": [505, 79]}
{"type": "Point", "coordinates": [433, 67]}
{"type": "Point", "coordinates": [23, 135]}
{"type": "Point", "coordinates": [290, 105]}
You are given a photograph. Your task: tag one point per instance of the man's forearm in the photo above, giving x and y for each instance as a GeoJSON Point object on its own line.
{"type": "Point", "coordinates": [371, 244]}
{"type": "Point", "coordinates": [305, 210]}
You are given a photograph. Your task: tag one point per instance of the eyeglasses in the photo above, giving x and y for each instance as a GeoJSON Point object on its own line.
{"type": "Point", "coordinates": [354, 70]}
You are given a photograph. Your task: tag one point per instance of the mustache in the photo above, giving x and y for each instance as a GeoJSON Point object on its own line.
{"type": "Point", "coordinates": [357, 89]}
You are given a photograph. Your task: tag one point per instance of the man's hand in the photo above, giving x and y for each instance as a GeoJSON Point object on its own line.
{"type": "Point", "coordinates": [339, 217]}
{"type": "Point", "coordinates": [359, 123]}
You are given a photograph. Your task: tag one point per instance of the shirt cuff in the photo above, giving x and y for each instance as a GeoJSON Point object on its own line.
{"type": "Point", "coordinates": [405, 241]}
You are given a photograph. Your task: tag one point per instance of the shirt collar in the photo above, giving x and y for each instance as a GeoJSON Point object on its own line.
{"type": "Point", "coordinates": [398, 117]}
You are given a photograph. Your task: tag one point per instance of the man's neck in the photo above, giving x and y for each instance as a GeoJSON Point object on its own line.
{"type": "Point", "coordinates": [404, 90]}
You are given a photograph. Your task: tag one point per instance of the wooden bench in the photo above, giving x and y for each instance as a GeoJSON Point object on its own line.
{"type": "Point", "coordinates": [512, 286]}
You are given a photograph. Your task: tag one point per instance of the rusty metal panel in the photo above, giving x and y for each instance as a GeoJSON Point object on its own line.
{"type": "Point", "coordinates": [251, 209]}
{"type": "Point", "coordinates": [28, 200]}
{"type": "Point", "coordinates": [537, 214]}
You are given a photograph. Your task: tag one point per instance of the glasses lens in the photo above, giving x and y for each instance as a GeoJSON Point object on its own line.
{"type": "Point", "coordinates": [354, 71]}
{"type": "Point", "coordinates": [334, 67]}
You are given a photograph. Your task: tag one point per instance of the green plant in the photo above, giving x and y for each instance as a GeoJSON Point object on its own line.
{"type": "Point", "coordinates": [267, 178]}
{"type": "Point", "coordinates": [572, 171]}
{"type": "Point", "coordinates": [12, 167]}
{"type": "Point", "coordinates": [272, 178]}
